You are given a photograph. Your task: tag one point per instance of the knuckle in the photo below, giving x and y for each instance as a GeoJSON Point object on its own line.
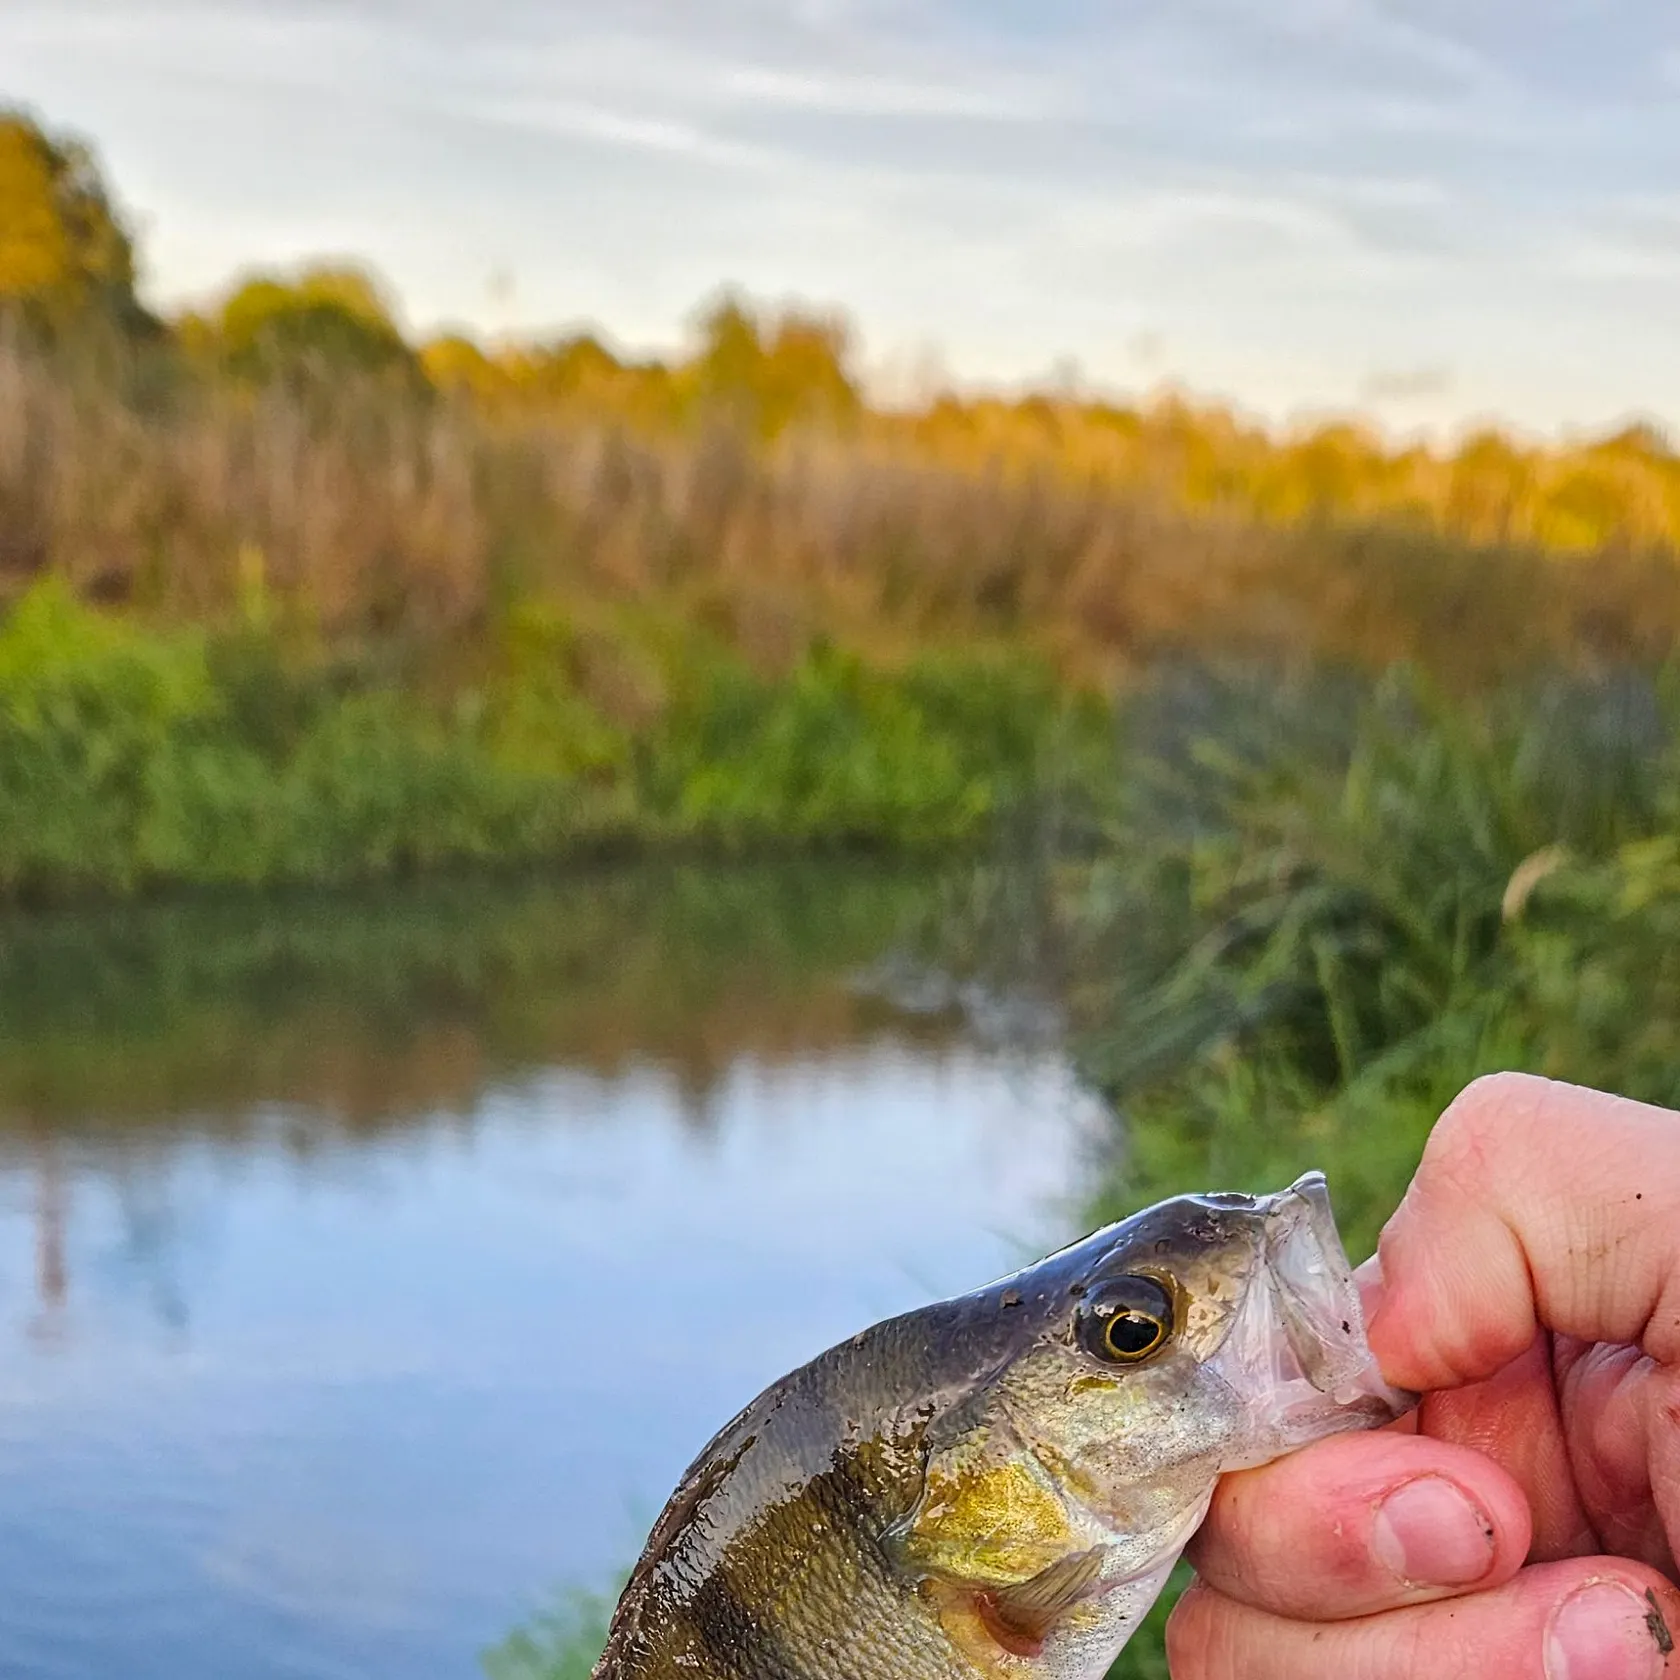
{"type": "Point", "coordinates": [1488, 1106]}
{"type": "Point", "coordinates": [1477, 1123]}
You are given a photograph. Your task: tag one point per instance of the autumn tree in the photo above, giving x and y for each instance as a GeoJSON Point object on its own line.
{"type": "Point", "coordinates": [766, 375]}
{"type": "Point", "coordinates": [325, 321]}
{"type": "Point", "coordinates": [65, 256]}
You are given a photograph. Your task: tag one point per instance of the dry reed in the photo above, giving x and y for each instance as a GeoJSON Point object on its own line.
{"type": "Point", "coordinates": [360, 508]}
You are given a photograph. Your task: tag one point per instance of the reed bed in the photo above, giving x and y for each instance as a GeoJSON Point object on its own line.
{"type": "Point", "coordinates": [374, 510]}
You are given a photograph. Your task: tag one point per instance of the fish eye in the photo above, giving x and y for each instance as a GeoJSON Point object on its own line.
{"type": "Point", "coordinates": [1126, 1321]}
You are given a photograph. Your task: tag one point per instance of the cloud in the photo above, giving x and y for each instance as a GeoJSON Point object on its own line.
{"type": "Point", "coordinates": [1632, 236]}
{"type": "Point", "coordinates": [1375, 41]}
{"type": "Point", "coordinates": [1404, 385]}
{"type": "Point", "coordinates": [1607, 259]}
{"type": "Point", "coordinates": [876, 96]}
{"type": "Point", "coordinates": [185, 33]}
{"type": "Point", "coordinates": [616, 128]}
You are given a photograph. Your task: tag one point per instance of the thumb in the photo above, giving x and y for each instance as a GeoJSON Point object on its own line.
{"type": "Point", "coordinates": [1537, 1205]}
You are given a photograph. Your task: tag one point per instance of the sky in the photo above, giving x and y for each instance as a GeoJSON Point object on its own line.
{"type": "Point", "coordinates": [1432, 211]}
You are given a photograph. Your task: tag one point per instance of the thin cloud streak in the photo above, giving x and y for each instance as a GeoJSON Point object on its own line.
{"type": "Point", "coordinates": [876, 96]}
{"type": "Point", "coordinates": [612, 128]}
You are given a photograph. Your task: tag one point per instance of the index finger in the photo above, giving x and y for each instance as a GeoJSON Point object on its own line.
{"type": "Point", "coordinates": [1362, 1523]}
{"type": "Point", "coordinates": [1537, 1204]}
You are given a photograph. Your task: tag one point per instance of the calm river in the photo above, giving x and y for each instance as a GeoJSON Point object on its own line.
{"type": "Point", "coordinates": [369, 1272]}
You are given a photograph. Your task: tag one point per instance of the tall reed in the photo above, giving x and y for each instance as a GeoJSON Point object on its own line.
{"type": "Point", "coordinates": [372, 508]}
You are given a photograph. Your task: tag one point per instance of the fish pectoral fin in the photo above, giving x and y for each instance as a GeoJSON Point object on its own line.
{"type": "Point", "coordinates": [1031, 1609]}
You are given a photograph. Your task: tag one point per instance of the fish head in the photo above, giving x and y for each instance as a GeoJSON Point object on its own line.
{"type": "Point", "coordinates": [1219, 1328]}
{"type": "Point", "coordinates": [1207, 1334]}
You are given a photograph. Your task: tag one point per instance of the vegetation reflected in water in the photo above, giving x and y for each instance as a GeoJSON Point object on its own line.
{"type": "Point", "coordinates": [377, 1009]}
{"type": "Point", "coordinates": [328, 1210]}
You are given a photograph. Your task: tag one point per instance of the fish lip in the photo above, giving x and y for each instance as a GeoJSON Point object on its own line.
{"type": "Point", "coordinates": [1299, 1334]}
{"type": "Point", "coordinates": [1313, 1292]}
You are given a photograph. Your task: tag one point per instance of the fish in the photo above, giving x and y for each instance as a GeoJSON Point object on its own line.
{"type": "Point", "coordinates": [997, 1486]}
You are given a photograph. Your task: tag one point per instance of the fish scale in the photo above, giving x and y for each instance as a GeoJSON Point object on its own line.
{"type": "Point", "coordinates": [996, 1487]}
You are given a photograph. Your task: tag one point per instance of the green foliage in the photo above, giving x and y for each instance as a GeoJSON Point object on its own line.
{"type": "Point", "coordinates": [1328, 872]}
{"type": "Point", "coordinates": [131, 757]}
{"type": "Point", "coordinates": [91, 717]}
{"type": "Point", "coordinates": [840, 753]}
{"type": "Point", "coordinates": [559, 1645]}
{"type": "Point", "coordinates": [124, 763]}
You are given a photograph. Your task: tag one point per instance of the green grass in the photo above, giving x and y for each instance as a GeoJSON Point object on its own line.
{"type": "Point", "coordinates": [134, 757]}
{"type": "Point", "coordinates": [1301, 940]}
{"type": "Point", "coordinates": [560, 1644]}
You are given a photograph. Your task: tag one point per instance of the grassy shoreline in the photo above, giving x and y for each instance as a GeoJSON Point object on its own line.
{"type": "Point", "coordinates": [135, 757]}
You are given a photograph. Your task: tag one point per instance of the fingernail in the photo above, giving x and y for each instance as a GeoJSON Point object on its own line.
{"type": "Point", "coordinates": [1604, 1632]}
{"type": "Point", "coordinates": [1432, 1534]}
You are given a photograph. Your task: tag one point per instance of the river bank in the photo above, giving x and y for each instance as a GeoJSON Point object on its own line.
{"type": "Point", "coordinates": [135, 757]}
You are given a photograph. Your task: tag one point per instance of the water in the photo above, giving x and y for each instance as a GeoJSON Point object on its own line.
{"type": "Point", "coordinates": [367, 1273]}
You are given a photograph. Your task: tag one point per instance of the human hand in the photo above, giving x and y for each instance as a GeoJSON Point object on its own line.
{"type": "Point", "coordinates": [1526, 1520]}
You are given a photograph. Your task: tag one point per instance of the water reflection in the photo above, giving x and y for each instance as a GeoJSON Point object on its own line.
{"type": "Point", "coordinates": [369, 1271]}
{"type": "Point", "coordinates": [413, 1003]}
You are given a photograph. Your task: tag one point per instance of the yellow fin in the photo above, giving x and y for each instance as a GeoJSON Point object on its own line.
{"type": "Point", "coordinates": [1033, 1608]}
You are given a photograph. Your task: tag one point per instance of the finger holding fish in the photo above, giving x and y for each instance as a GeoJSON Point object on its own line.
{"type": "Point", "coordinates": [1582, 1619]}
{"type": "Point", "coordinates": [1360, 1524]}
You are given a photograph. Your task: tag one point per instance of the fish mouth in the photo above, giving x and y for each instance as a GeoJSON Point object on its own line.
{"type": "Point", "coordinates": [1296, 1349]}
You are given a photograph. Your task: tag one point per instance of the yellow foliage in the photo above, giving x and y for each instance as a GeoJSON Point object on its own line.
{"type": "Point", "coordinates": [332, 318]}
{"type": "Point", "coordinates": [34, 248]}
{"type": "Point", "coordinates": [262, 298]}
{"type": "Point", "coordinates": [456, 364]}
{"type": "Point", "coordinates": [61, 247]}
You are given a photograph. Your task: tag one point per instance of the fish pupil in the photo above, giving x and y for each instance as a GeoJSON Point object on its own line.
{"type": "Point", "coordinates": [1133, 1333]}
{"type": "Point", "coordinates": [1130, 1319]}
